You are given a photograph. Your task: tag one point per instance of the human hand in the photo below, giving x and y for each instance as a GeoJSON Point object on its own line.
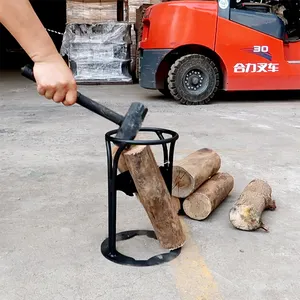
{"type": "Point", "coordinates": [55, 80]}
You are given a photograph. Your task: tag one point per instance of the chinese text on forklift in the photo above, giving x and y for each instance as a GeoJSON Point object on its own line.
{"type": "Point", "coordinates": [192, 49]}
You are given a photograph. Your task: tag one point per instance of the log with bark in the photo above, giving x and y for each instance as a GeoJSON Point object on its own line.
{"type": "Point", "coordinates": [193, 170]}
{"type": "Point", "coordinates": [176, 204]}
{"type": "Point", "coordinates": [246, 214]}
{"type": "Point", "coordinates": [122, 167]}
{"type": "Point", "coordinates": [154, 196]}
{"type": "Point", "coordinates": [200, 204]}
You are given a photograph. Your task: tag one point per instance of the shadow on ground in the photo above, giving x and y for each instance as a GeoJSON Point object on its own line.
{"type": "Point", "coordinates": [249, 96]}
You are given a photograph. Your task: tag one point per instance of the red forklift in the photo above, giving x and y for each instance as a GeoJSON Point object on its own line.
{"type": "Point", "coordinates": [191, 49]}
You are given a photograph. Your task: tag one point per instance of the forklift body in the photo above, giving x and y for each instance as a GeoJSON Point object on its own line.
{"type": "Point", "coordinates": [192, 49]}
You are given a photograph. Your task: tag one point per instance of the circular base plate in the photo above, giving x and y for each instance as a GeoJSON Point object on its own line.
{"type": "Point", "coordinates": [119, 258]}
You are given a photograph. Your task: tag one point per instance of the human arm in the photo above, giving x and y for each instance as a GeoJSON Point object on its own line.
{"type": "Point", "coordinates": [54, 79]}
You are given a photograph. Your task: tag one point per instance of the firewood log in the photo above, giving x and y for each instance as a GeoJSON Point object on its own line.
{"type": "Point", "coordinates": [154, 196]}
{"type": "Point", "coordinates": [200, 204]}
{"type": "Point", "coordinates": [122, 167]}
{"type": "Point", "coordinates": [193, 170]}
{"type": "Point", "coordinates": [176, 204]}
{"type": "Point", "coordinates": [246, 214]}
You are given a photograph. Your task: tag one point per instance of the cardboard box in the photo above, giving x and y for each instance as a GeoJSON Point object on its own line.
{"type": "Point", "coordinates": [95, 11]}
{"type": "Point", "coordinates": [91, 11]}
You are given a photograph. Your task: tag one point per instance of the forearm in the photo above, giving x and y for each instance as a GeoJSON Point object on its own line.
{"type": "Point", "coordinates": [22, 22]}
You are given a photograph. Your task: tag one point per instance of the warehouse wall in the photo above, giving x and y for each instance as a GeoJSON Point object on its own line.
{"type": "Point", "coordinates": [53, 16]}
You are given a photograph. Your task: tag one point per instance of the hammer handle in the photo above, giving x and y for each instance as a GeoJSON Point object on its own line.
{"type": "Point", "coordinates": [99, 109]}
{"type": "Point", "coordinates": [84, 101]}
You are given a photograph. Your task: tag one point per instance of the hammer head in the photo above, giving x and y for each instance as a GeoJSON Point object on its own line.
{"type": "Point", "coordinates": [132, 121]}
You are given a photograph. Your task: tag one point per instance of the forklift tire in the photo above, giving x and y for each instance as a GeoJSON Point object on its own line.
{"type": "Point", "coordinates": [193, 79]}
{"type": "Point", "coordinates": [165, 92]}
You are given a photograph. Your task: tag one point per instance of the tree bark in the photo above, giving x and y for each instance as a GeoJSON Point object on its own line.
{"type": "Point", "coordinates": [190, 172]}
{"type": "Point", "coordinates": [208, 196]}
{"type": "Point", "coordinates": [176, 204]}
{"type": "Point", "coordinates": [154, 196]}
{"type": "Point", "coordinates": [122, 167]}
{"type": "Point", "coordinates": [246, 214]}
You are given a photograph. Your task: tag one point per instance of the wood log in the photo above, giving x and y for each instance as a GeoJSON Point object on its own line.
{"type": "Point", "coordinates": [154, 196]}
{"type": "Point", "coordinates": [122, 167]}
{"type": "Point", "coordinates": [246, 214]}
{"type": "Point", "coordinates": [193, 170]}
{"type": "Point", "coordinates": [200, 204]}
{"type": "Point", "coordinates": [176, 204]}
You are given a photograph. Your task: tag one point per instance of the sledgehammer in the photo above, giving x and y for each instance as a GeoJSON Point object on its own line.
{"type": "Point", "coordinates": [129, 124]}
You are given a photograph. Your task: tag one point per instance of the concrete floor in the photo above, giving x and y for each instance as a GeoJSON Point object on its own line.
{"type": "Point", "coordinates": [53, 199]}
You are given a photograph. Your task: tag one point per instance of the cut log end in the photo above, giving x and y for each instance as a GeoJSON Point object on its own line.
{"type": "Point", "coordinates": [199, 208]}
{"type": "Point", "coordinates": [208, 196]}
{"type": "Point", "coordinates": [192, 171]}
{"type": "Point", "coordinates": [121, 163]}
{"type": "Point", "coordinates": [183, 182]}
{"type": "Point", "coordinates": [180, 246]}
{"type": "Point", "coordinates": [245, 217]}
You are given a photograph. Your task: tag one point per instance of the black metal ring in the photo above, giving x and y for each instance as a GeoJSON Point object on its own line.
{"type": "Point", "coordinates": [174, 137]}
{"type": "Point", "coordinates": [122, 259]}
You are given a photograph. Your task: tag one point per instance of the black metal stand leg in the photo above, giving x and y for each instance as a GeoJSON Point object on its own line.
{"type": "Point", "coordinates": [112, 196]}
{"type": "Point", "coordinates": [108, 247]}
{"type": "Point", "coordinates": [112, 214]}
{"type": "Point", "coordinates": [111, 204]}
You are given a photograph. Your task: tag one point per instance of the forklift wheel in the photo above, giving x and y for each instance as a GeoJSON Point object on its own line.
{"type": "Point", "coordinates": [193, 79]}
{"type": "Point", "coordinates": [165, 92]}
